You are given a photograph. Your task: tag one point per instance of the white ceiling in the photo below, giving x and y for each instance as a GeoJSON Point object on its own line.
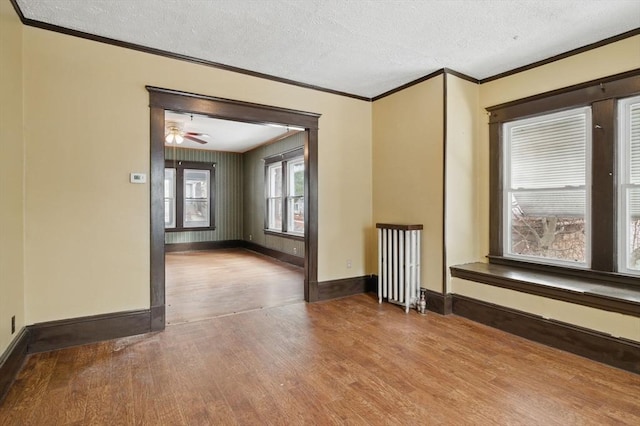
{"type": "Point", "coordinates": [224, 135]}
{"type": "Point", "coordinates": [361, 47]}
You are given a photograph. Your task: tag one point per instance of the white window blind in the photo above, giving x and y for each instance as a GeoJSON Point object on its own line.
{"type": "Point", "coordinates": [545, 185]}
{"type": "Point", "coordinates": [549, 153]}
{"type": "Point", "coordinates": [629, 190]}
{"type": "Point", "coordinates": [634, 141]}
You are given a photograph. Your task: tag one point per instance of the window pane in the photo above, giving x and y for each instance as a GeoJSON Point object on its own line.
{"type": "Point", "coordinates": [296, 178]}
{"type": "Point", "coordinates": [196, 198]}
{"type": "Point", "coordinates": [549, 153]}
{"type": "Point", "coordinates": [634, 141]}
{"type": "Point", "coordinates": [169, 198]}
{"type": "Point", "coordinates": [274, 181]}
{"type": "Point", "coordinates": [546, 201]}
{"type": "Point", "coordinates": [629, 190]}
{"type": "Point", "coordinates": [274, 214]}
{"type": "Point", "coordinates": [548, 224]}
{"type": "Point", "coordinates": [632, 221]}
{"type": "Point", "coordinates": [296, 215]}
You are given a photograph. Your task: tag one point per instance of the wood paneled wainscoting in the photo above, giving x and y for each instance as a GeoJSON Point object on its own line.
{"type": "Point", "coordinates": [344, 361]}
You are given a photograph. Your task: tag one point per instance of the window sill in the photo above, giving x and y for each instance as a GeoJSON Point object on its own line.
{"type": "Point", "coordinates": [284, 235]}
{"type": "Point", "coordinates": [207, 228]}
{"type": "Point", "coordinates": [599, 292]}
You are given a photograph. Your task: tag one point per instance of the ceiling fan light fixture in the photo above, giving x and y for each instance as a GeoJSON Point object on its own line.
{"type": "Point", "coordinates": [174, 134]}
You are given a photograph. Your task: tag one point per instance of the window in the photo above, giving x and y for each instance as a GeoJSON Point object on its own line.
{"type": "Point", "coordinates": [545, 199]}
{"type": "Point", "coordinates": [284, 180]}
{"type": "Point", "coordinates": [629, 184]}
{"type": "Point", "coordinates": [295, 199]}
{"type": "Point", "coordinates": [188, 196]}
{"type": "Point", "coordinates": [169, 198]}
{"type": "Point", "coordinates": [274, 197]}
{"type": "Point", "coordinates": [565, 180]}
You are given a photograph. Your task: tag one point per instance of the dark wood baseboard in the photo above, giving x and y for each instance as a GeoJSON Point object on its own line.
{"type": "Point", "coordinates": [158, 316]}
{"type": "Point", "coordinates": [601, 347]}
{"type": "Point", "coordinates": [312, 296]}
{"type": "Point", "coordinates": [372, 284]}
{"type": "Point", "coordinates": [12, 360]}
{"type": "Point", "coordinates": [249, 245]}
{"type": "Point", "coordinates": [203, 245]}
{"type": "Point", "coordinates": [284, 257]}
{"type": "Point", "coordinates": [344, 287]}
{"type": "Point", "coordinates": [439, 303]}
{"type": "Point", "coordinates": [53, 335]}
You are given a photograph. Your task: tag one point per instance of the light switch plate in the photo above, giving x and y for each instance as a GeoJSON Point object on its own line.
{"type": "Point", "coordinates": [138, 178]}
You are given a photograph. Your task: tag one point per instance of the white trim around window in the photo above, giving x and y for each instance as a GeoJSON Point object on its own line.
{"type": "Point", "coordinates": [629, 185]}
{"type": "Point", "coordinates": [284, 193]}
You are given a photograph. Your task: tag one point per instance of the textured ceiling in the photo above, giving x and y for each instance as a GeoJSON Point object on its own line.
{"type": "Point", "coordinates": [361, 47]}
{"type": "Point", "coordinates": [224, 135]}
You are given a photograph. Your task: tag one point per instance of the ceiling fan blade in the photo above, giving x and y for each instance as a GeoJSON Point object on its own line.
{"type": "Point", "coordinates": [196, 134]}
{"type": "Point", "coordinates": [191, 138]}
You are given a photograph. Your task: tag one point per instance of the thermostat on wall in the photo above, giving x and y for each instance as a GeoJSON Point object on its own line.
{"type": "Point", "coordinates": [138, 178]}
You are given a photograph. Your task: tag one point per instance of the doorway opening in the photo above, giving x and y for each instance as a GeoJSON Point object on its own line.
{"type": "Point", "coordinates": [162, 100]}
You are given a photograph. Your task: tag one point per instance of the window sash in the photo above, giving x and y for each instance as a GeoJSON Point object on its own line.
{"type": "Point", "coordinates": [284, 194]}
{"type": "Point", "coordinates": [547, 171]}
{"type": "Point", "coordinates": [196, 199]}
{"type": "Point", "coordinates": [629, 185]}
{"type": "Point", "coordinates": [274, 214]}
{"type": "Point", "coordinates": [295, 171]}
{"type": "Point", "coordinates": [274, 180]}
{"type": "Point", "coordinates": [295, 215]}
{"type": "Point", "coordinates": [169, 198]}
{"type": "Point", "coordinates": [190, 198]}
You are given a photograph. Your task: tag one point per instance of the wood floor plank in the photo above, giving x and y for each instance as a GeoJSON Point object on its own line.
{"type": "Point", "coordinates": [346, 361]}
{"type": "Point", "coordinates": [209, 283]}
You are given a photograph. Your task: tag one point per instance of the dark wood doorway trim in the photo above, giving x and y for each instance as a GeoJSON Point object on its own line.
{"type": "Point", "coordinates": [165, 99]}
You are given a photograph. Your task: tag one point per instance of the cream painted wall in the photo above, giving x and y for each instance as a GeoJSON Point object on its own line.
{"type": "Point", "coordinates": [407, 170]}
{"type": "Point", "coordinates": [11, 176]}
{"type": "Point", "coordinates": [463, 230]}
{"type": "Point", "coordinates": [87, 128]}
{"type": "Point", "coordinates": [607, 60]}
{"type": "Point", "coordinates": [86, 124]}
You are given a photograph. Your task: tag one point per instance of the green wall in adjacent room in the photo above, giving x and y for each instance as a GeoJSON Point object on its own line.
{"type": "Point", "coordinates": [239, 196]}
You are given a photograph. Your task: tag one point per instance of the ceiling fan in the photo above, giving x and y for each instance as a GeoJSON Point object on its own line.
{"type": "Point", "coordinates": [175, 134]}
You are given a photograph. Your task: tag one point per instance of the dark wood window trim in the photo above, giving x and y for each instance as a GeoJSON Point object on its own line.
{"type": "Point", "coordinates": [180, 166]}
{"type": "Point", "coordinates": [599, 292]}
{"type": "Point", "coordinates": [601, 95]}
{"type": "Point", "coordinates": [282, 158]}
{"type": "Point", "coordinates": [166, 99]}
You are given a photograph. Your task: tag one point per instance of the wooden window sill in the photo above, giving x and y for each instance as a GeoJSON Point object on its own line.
{"type": "Point", "coordinates": [203, 228]}
{"type": "Point", "coordinates": [596, 293]}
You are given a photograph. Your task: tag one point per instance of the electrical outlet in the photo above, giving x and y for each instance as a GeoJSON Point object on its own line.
{"type": "Point", "coordinates": [13, 324]}
{"type": "Point", "coordinates": [348, 263]}
{"type": "Point", "coordinates": [250, 237]}
{"type": "Point", "coordinates": [295, 250]}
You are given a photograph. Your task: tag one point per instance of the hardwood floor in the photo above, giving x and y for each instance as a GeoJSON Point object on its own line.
{"type": "Point", "coordinates": [207, 284]}
{"type": "Point", "coordinates": [345, 361]}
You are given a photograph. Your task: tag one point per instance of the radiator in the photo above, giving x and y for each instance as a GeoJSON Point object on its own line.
{"type": "Point", "coordinates": [399, 264]}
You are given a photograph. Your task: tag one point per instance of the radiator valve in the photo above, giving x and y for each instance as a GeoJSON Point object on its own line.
{"type": "Point", "coordinates": [422, 303]}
